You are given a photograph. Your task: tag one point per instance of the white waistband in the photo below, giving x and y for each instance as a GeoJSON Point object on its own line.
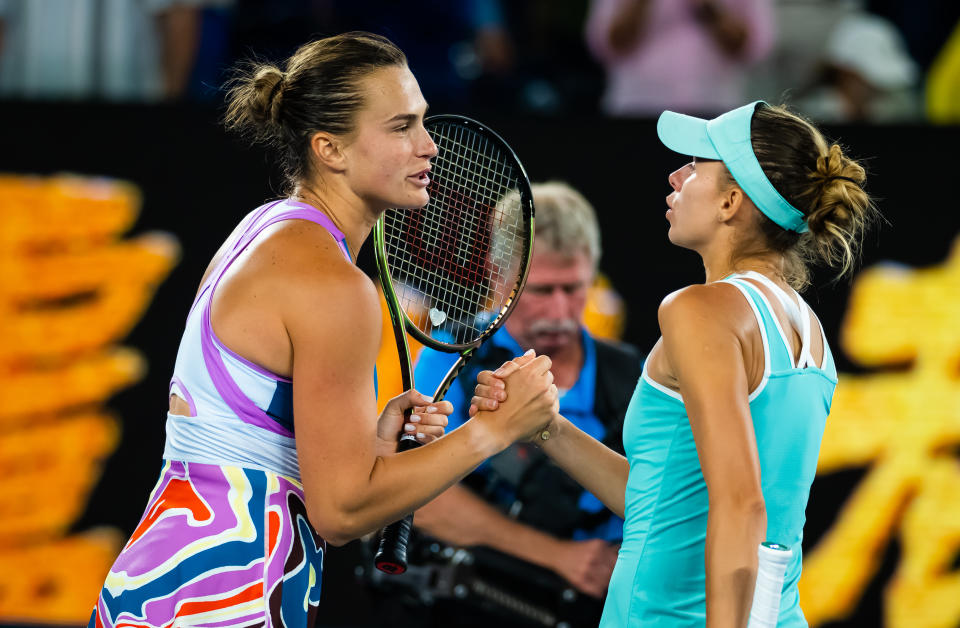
{"type": "Point", "coordinates": [233, 443]}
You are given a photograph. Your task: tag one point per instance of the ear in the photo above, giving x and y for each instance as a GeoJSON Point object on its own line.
{"type": "Point", "coordinates": [732, 204]}
{"type": "Point", "coordinates": [327, 149]}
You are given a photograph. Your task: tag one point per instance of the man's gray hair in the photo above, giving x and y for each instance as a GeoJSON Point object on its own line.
{"type": "Point", "coordinates": [566, 221]}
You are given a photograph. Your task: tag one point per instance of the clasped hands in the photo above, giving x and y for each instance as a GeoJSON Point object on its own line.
{"type": "Point", "coordinates": [533, 402]}
{"type": "Point", "coordinates": [533, 405]}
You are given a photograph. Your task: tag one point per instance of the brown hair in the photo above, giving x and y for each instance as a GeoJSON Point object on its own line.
{"type": "Point", "coordinates": [819, 180]}
{"type": "Point", "coordinates": [317, 91]}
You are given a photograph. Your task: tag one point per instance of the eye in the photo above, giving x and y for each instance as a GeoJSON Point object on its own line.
{"type": "Point", "coordinates": [402, 128]}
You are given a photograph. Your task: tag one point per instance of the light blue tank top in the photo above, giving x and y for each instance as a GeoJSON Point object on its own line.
{"type": "Point", "coordinates": [659, 579]}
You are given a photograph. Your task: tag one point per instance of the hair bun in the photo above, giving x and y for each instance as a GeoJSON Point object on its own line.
{"type": "Point", "coordinates": [840, 207]}
{"type": "Point", "coordinates": [817, 178]}
{"type": "Point", "coordinates": [254, 99]}
{"type": "Point", "coordinates": [269, 85]}
{"type": "Point", "coordinates": [835, 165]}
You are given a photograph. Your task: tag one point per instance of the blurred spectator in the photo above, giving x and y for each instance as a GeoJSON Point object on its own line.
{"type": "Point", "coordinates": [449, 45]}
{"type": "Point", "coordinates": [795, 62]}
{"type": "Point", "coordinates": [472, 54]}
{"type": "Point", "coordinates": [273, 29]}
{"type": "Point", "coordinates": [691, 55]}
{"type": "Point", "coordinates": [925, 24]}
{"type": "Point", "coordinates": [554, 74]}
{"type": "Point", "coordinates": [128, 50]}
{"type": "Point", "coordinates": [867, 75]}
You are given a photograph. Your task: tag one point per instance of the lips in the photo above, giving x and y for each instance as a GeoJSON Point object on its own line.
{"type": "Point", "coordinates": [422, 177]}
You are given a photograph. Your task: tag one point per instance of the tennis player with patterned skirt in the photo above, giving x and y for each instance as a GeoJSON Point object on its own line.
{"type": "Point", "coordinates": [723, 431]}
{"type": "Point", "coordinates": [273, 446]}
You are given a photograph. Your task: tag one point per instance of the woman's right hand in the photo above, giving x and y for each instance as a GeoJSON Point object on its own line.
{"type": "Point", "coordinates": [491, 389]}
{"type": "Point", "coordinates": [532, 403]}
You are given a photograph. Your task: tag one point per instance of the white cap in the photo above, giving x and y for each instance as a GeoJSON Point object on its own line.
{"type": "Point", "coordinates": [872, 47]}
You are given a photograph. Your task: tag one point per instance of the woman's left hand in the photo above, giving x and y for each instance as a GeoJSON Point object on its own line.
{"type": "Point", "coordinates": [427, 420]}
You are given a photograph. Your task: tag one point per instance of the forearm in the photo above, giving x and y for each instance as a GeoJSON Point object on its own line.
{"type": "Point", "coordinates": [459, 517]}
{"type": "Point", "coordinates": [396, 485]}
{"type": "Point", "coordinates": [627, 26]}
{"type": "Point", "coordinates": [592, 464]}
{"type": "Point", "coordinates": [727, 29]}
{"type": "Point", "coordinates": [733, 534]}
{"type": "Point", "coordinates": [180, 26]}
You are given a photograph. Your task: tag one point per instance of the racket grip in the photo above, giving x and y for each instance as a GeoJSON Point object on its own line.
{"type": "Point", "coordinates": [391, 556]}
{"type": "Point", "coordinates": [771, 567]}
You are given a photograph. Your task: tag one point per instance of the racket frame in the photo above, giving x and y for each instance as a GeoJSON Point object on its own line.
{"type": "Point", "coordinates": [526, 201]}
{"type": "Point", "coordinates": [402, 325]}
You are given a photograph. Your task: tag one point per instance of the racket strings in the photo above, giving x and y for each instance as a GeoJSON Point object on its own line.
{"type": "Point", "coordinates": [457, 262]}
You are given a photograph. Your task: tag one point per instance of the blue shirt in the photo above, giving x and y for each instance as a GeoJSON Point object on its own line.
{"type": "Point", "coordinates": [576, 404]}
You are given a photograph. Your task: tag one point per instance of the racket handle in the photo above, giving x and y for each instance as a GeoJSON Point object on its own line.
{"type": "Point", "coordinates": [771, 567]}
{"type": "Point", "coordinates": [391, 557]}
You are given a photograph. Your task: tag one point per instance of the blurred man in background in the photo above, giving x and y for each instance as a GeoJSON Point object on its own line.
{"type": "Point", "coordinates": [536, 524]}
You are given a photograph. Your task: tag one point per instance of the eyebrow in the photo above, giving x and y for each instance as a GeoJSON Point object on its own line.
{"type": "Point", "coordinates": [407, 117]}
{"type": "Point", "coordinates": [402, 117]}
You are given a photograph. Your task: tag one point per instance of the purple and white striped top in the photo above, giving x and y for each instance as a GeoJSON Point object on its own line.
{"type": "Point", "coordinates": [241, 413]}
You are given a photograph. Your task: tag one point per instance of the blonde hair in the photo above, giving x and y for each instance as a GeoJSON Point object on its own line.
{"type": "Point", "coordinates": [817, 178]}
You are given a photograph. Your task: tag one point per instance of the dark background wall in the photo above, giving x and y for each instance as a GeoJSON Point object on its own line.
{"type": "Point", "coordinates": [197, 182]}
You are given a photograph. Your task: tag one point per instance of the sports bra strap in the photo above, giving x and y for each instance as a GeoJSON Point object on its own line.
{"type": "Point", "coordinates": [797, 311]}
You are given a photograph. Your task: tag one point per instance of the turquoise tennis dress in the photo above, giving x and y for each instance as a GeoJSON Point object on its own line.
{"type": "Point", "coordinates": [660, 579]}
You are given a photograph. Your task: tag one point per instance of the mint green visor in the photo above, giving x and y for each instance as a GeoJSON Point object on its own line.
{"type": "Point", "coordinates": [727, 138]}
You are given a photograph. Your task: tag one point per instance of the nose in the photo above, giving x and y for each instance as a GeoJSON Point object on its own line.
{"type": "Point", "coordinates": [678, 176]}
{"type": "Point", "coordinates": [558, 302]}
{"type": "Point", "coordinates": [428, 147]}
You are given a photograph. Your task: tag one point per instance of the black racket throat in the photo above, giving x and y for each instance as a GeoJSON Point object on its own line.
{"type": "Point", "coordinates": [407, 440]}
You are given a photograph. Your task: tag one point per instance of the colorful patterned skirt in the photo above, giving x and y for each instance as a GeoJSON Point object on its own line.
{"type": "Point", "coordinates": [217, 546]}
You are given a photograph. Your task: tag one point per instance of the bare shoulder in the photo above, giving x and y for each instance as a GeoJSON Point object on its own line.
{"type": "Point", "coordinates": [703, 307]}
{"type": "Point", "coordinates": [316, 278]}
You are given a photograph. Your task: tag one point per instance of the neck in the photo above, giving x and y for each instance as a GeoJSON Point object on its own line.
{"type": "Point", "coordinates": [769, 264]}
{"type": "Point", "coordinates": [350, 215]}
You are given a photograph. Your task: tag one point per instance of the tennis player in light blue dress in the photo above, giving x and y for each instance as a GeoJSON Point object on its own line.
{"type": "Point", "coordinates": [723, 432]}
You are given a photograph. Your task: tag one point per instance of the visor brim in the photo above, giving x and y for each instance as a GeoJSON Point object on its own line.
{"type": "Point", "coordinates": [686, 135]}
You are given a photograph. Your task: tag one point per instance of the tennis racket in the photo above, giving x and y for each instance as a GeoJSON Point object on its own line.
{"type": "Point", "coordinates": [452, 271]}
{"type": "Point", "coordinates": [772, 561]}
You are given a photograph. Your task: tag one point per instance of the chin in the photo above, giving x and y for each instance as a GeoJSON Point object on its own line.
{"type": "Point", "coordinates": [414, 201]}
{"type": "Point", "coordinates": [672, 238]}
{"type": "Point", "coordinates": [684, 243]}
{"type": "Point", "coordinates": [677, 239]}
{"type": "Point", "coordinates": [424, 199]}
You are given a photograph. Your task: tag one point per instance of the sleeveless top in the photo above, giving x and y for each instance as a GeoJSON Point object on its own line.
{"type": "Point", "coordinates": [225, 536]}
{"type": "Point", "coordinates": [242, 414]}
{"type": "Point", "coordinates": [660, 579]}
